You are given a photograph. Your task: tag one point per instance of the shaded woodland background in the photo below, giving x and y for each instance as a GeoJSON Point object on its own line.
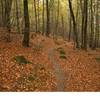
{"type": "Point", "coordinates": [72, 19]}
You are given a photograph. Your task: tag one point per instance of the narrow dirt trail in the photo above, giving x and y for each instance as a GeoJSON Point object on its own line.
{"type": "Point", "coordinates": [58, 71]}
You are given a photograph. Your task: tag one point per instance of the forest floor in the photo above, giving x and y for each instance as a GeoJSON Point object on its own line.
{"type": "Point", "coordinates": [51, 66]}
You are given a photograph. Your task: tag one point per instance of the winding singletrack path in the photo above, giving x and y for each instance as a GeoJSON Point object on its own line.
{"type": "Point", "coordinates": [58, 71]}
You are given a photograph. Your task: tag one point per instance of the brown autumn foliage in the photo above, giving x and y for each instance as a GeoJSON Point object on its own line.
{"type": "Point", "coordinates": [81, 69]}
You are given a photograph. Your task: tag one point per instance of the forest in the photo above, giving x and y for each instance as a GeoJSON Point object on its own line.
{"type": "Point", "coordinates": [49, 45]}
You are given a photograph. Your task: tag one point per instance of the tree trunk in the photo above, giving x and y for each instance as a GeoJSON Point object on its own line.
{"type": "Point", "coordinates": [27, 25]}
{"type": "Point", "coordinates": [35, 11]}
{"type": "Point", "coordinates": [17, 17]}
{"type": "Point", "coordinates": [43, 19]}
{"type": "Point", "coordinates": [74, 24]}
{"type": "Point", "coordinates": [48, 18]}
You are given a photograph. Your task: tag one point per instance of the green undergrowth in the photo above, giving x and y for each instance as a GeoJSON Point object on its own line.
{"type": "Point", "coordinates": [62, 53]}
{"type": "Point", "coordinates": [97, 59]}
{"type": "Point", "coordinates": [1, 50]}
{"type": "Point", "coordinates": [21, 60]}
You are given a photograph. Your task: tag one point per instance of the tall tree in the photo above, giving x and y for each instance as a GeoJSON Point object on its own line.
{"type": "Point", "coordinates": [84, 24]}
{"type": "Point", "coordinates": [74, 23]}
{"type": "Point", "coordinates": [17, 16]}
{"type": "Point", "coordinates": [70, 28]}
{"type": "Point", "coordinates": [48, 18]}
{"type": "Point", "coordinates": [92, 33]}
{"type": "Point", "coordinates": [38, 17]}
{"type": "Point", "coordinates": [43, 20]}
{"type": "Point", "coordinates": [57, 17]}
{"type": "Point", "coordinates": [27, 24]}
{"type": "Point", "coordinates": [35, 11]}
{"type": "Point", "coordinates": [8, 6]}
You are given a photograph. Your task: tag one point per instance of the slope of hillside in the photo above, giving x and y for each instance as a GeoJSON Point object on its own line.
{"type": "Point", "coordinates": [50, 66]}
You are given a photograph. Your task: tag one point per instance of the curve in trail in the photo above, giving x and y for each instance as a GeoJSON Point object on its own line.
{"type": "Point", "coordinates": [58, 72]}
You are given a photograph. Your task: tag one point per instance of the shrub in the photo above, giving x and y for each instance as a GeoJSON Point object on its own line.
{"type": "Point", "coordinates": [21, 60]}
{"type": "Point", "coordinates": [1, 49]}
{"type": "Point", "coordinates": [63, 57]}
{"type": "Point", "coordinates": [31, 77]}
{"type": "Point", "coordinates": [98, 59]}
{"type": "Point", "coordinates": [62, 53]}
